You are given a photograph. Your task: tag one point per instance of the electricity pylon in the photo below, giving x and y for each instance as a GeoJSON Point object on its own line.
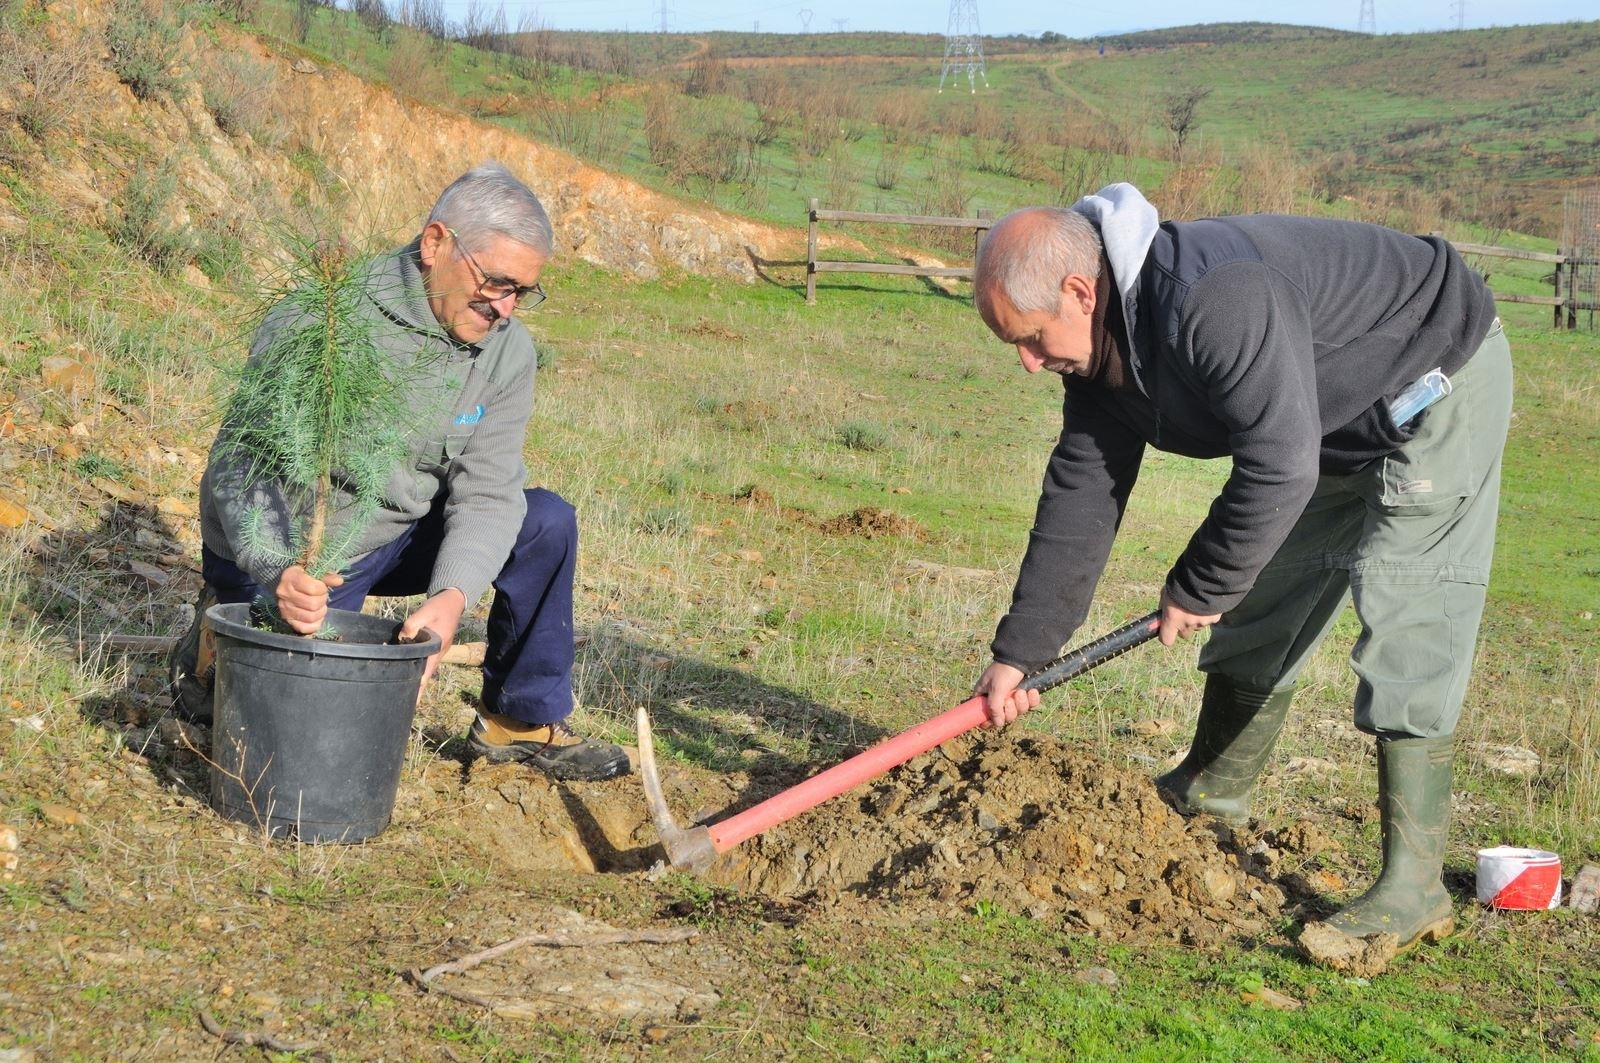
{"type": "Point", "coordinates": [963, 45]}
{"type": "Point", "coordinates": [1368, 23]}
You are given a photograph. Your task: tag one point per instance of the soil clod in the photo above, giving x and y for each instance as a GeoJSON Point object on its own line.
{"type": "Point", "coordinates": [1359, 957]}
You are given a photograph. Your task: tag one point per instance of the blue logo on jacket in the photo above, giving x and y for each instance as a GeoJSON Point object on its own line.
{"type": "Point", "coordinates": [472, 417]}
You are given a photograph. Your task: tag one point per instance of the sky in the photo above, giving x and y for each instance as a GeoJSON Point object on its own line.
{"type": "Point", "coordinates": [1030, 17]}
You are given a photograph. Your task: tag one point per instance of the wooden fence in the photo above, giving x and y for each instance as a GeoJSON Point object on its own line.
{"type": "Point", "coordinates": [1564, 304]}
{"type": "Point", "coordinates": [1567, 300]}
{"type": "Point", "coordinates": [814, 266]}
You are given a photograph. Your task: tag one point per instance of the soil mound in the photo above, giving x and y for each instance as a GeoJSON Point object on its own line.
{"type": "Point", "coordinates": [1025, 825]}
{"type": "Point", "coordinates": [870, 522]}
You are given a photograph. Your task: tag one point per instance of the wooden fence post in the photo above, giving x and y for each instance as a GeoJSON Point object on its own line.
{"type": "Point", "coordinates": [1572, 297]}
{"type": "Point", "coordinates": [984, 214]}
{"type": "Point", "coordinates": [811, 256]}
{"type": "Point", "coordinates": [1557, 323]}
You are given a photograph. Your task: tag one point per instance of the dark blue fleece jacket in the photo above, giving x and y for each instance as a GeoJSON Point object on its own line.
{"type": "Point", "coordinates": [1274, 340]}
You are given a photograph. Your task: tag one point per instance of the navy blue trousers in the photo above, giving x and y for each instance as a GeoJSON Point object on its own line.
{"type": "Point", "coordinates": [527, 670]}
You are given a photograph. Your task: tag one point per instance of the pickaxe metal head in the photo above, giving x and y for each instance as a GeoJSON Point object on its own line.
{"type": "Point", "coordinates": [690, 848]}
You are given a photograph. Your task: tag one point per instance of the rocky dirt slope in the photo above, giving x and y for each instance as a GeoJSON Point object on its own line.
{"type": "Point", "coordinates": [375, 157]}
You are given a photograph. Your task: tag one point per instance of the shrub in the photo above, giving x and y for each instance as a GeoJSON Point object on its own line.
{"type": "Point", "coordinates": [708, 76]}
{"type": "Point", "coordinates": [573, 124]}
{"type": "Point", "coordinates": [238, 91]}
{"type": "Point", "coordinates": [46, 78]}
{"type": "Point", "coordinates": [665, 520]}
{"type": "Point", "coordinates": [663, 133]}
{"type": "Point", "coordinates": [143, 37]}
{"type": "Point", "coordinates": [415, 68]}
{"type": "Point", "coordinates": [863, 435]}
{"type": "Point", "coordinates": [143, 226]}
{"type": "Point", "coordinates": [891, 162]}
{"type": "Point", "coordinates": [219, 250]}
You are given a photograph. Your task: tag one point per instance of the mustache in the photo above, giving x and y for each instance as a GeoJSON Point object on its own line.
{"type": "Point", "coordinates": [497, 320]}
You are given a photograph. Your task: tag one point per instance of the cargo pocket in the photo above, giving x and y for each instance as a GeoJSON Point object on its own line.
{"type": "Point", "coordinates": [1432, 470]}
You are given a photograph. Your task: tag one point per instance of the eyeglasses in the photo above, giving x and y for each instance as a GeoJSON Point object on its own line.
{"type": "Point", "coordinates": [496, 288]}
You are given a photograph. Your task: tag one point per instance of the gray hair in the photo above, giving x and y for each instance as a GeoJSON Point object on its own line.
{"type": "Point", "coordinates": [1029, 252]}
{"type": "Point", "coordinates": [488, 200]}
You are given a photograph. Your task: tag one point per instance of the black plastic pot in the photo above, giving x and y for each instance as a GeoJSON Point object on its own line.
{"type": "Point", "coordinates": [309, 734]}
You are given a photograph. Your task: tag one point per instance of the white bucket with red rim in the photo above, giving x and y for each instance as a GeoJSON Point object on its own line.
{"type": "Point", "coordinates": [1520, 879]}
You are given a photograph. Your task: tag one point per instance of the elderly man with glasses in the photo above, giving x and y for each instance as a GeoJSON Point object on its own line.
{"type": "Point", "coordinates": [456, 517]}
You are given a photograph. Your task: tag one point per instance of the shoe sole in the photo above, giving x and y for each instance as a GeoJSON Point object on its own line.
{"type": "Point", "coordinates": [1437, 930]}
{"type": "Point", "coordinates": [556, 770]}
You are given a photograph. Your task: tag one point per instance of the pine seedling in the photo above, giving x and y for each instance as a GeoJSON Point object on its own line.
{"type": "Point", "coordinates": [321, 404]}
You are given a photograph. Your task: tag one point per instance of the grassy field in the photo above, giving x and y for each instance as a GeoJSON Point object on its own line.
{"type": "Point", "coordinates": [665, 411]}
{"type": "Point", "coordinates": [799, 528]}
{"type": "Point", "coordinates": [1488, 126]}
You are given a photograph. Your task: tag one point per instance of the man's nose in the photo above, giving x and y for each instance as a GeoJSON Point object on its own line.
{"type": "Point", "coordinates": [1030, 361]}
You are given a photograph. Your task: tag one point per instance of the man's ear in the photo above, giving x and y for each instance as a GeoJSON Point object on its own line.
{"type": "Point", "coordinates": [1080, 291]}
{"type": "Point", "coordinates": [433, 235]}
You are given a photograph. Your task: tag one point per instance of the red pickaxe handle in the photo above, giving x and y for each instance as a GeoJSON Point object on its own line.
{"type": "Point", "coordinates": [924, 736]}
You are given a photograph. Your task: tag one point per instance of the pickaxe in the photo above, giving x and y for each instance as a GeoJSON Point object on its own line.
{"type": "Point", "coordinates": [694, 848]}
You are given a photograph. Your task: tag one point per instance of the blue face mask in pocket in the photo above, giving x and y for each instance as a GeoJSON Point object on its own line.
{"type": "Point", "coordinates": [1418, 396]}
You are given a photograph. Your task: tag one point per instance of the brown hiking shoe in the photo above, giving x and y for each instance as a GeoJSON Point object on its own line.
{"type": "Point", "coordinates": [191, 666]}
{"type": "Point", "coordinates": [553, 748]}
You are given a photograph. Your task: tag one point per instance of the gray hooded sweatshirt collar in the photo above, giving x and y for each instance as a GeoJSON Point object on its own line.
{"type": "Point", "coordinates": [1128, 224]}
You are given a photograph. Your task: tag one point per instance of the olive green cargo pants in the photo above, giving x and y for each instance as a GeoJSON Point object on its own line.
{"type": "Point", "coordinates": [1409, 539]}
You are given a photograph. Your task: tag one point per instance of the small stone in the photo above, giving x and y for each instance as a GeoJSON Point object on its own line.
{"type": "Point", "coordinates": [1151, 728]}
{"type": "Point", "coordinates": [12, 514]}
{"type": "Point", "coordinates": [655, 1034]}
{"type": "Point", "coordinates": [1268, 997]}
{"type": "Point", "coordinates": [1585, 895]}
{"type": "Point", "coordinates": [66, 374]}
{"type": "Point", "coordinates": [1100, 976]}
{"type": "Point", "coordinates": [1219, 884]}
{"type": "Point", "coordinates": [60, 815]}
{"type": "Point", "coordinates": [149, 573]}
{"type": "Point", "coordinates": [118, 491]}
{"type": "Point", "coordinates": [1510, 760]}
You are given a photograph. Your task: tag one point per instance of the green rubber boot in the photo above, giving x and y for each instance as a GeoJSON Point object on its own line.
{"type": "Point", "coordinates": [1233, 738]}
{"type": "Point", "coordinates": [1409, 899]}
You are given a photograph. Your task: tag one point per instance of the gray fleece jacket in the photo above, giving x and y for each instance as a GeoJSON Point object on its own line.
{"type": "Point", "coordinates": [471, 404]}
{"type": "Point", "coordinates": [1276, 341]}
